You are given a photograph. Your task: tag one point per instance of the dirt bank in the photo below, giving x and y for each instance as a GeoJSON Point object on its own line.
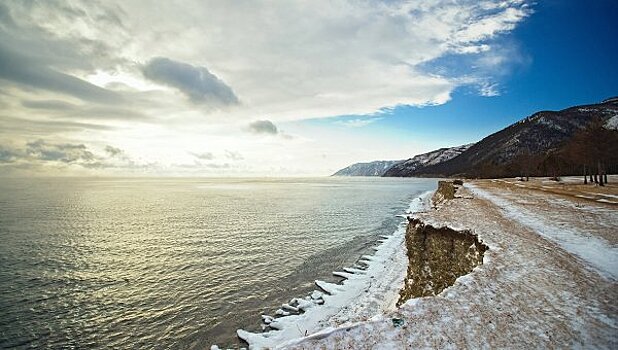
{"type": "Point", "coordinates": [437, 257]}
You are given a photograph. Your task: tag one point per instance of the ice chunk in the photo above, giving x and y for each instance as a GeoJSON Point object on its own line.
{"type": "Point", "coordinates": [329, 288]}
{"type": "Point", "coordinates": [281, 312]}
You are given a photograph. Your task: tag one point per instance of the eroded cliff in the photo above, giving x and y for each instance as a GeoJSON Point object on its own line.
{"type": "Point", "coordinates": [437, 256]}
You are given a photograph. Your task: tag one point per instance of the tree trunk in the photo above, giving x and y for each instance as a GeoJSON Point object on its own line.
{"type": "Point", "coordinates": [604, 174]}
{"type": "Point", "coordinates": [585, 178]}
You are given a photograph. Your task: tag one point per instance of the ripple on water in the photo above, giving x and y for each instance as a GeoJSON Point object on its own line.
{"type": "Point", "coordinates": [175, 263]}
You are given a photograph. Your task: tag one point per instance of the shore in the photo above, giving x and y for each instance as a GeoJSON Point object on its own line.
{"type": "Point", "coordinates": [549, 277]}
{"type": "Point", "coordinates": [369, 288]}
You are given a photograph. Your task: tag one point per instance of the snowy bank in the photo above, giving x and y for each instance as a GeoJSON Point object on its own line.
{"type": "Point", "coordinates": [532, 291]}
{"type": "Point", "coordinates": [369, 288]}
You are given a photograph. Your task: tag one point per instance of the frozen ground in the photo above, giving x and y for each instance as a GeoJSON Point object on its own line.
{"type": "Point", "coordinates": [553, 218]}
{"type": "Point", "coordinates": [548, 279]}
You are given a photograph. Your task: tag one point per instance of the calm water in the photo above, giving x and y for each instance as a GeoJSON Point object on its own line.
{"type": "Point", "coordinates": [175, 263]}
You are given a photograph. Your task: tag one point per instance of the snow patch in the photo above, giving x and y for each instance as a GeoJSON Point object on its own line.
{"type": "Point", "coordinates": [594, 251]}
{"type": "Point", "coordinates": [612, 123]}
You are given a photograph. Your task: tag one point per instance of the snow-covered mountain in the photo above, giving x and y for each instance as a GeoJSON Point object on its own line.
{"type": "Point", "coordinates": [426, 159]}
{"type": "Point", "coordinates": [376, 168]}
{"type": "Point", "coordinates": [394, 167]}
{"type": "Point", "coordinates": [541, 144]}
{"type": "Point", "coordinates": [538, 140]}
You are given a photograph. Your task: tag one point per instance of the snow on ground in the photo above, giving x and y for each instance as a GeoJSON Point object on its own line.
{"type": "Point", "coordinates": [612, 123]}
{"type": "Point", "coordinates": [596, 251]}
{"type": "Point", "coordinates": [532, 291]}
{"type": "Point", "coordinates": [370, 288]}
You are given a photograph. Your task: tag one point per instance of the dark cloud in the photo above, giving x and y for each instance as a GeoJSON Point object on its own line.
{"type": "Point", "coordinates": [91, 11]}
{"type": "Point", "coordinates": [113, 151]}
{"type": "Point", "coordinates": [233, 155]}
{"type": "Point", "coordinates": [88, 111]}
{"type": "Point", "coordinates": [9, 154]}
{"type": "Point", "coordinates": [34, 57]}
{"type": "Point", "coordinates": [49, 105]}
{"type": "Point", "coordinates": [28, 71]}
{"type": "Point", "coordinates": [217, 166]}
{"type": "Point", "coordinates": [6, 20]}
{"type": "Point", "coordinates": [41, 154]}
{"type": "Point", "coordinates": [197, 166]}
{"type": "Point", "coordinates": [197, 83]}
{"type": "Point", "coordinates": [63, 152]}
{"type": "Point", "coordinates": [13, 126]}
{"type": "Point", "coordinates": [263, 127]}
{"type": "Point", "coordinates": [204, 156]}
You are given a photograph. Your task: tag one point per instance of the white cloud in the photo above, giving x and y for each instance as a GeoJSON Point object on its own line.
{"type": "Point", "coordinates": [293, 60]}
{"type": "Point", "coordinates": [489, 89]}
{"type": "Point", "coordinates": [357, 122]}
{"type": "Point", "coordinates": [81, 65]}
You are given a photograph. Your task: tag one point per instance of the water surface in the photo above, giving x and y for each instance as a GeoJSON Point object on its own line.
{"type": "Point", "coordinates": [176, 263]}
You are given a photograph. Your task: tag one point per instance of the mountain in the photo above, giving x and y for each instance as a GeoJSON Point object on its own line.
{"type": "Point", "coordinates": [395, 167]}
{"type": "Point", "coordinates": [376, 168]}
{"type": "Point", "coordinates": [420, 161]}
{"type": "Point", "coordinates": [541, 144]}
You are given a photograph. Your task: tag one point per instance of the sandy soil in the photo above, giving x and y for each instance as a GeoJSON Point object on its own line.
{"type": "Point", "coordinates": [548, 279]}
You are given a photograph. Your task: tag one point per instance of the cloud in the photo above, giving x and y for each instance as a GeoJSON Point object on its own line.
{"type": "Point", "coordinates": [197, 83]}
{"type": "Point", "coordinates": [342, 58]}
{"type": "Point", "coordinates": [113, 151]}
{"type": "Point", "coordinates": [357, 122]}
{"type": "Point", "coordinates": [30, 71]}
{"type": "Point", "coordinates": [233, 155]}
{"type": "Point", "coordinates": [42, 155]}
{"type": "Point", "coordinates": [263, 127]}
{"type": "Point", "coordinates": [161, 79]}
{"type": "Point", "coordinates": [12, 126]}
{"type": "Point", "coordinates": [217, 165]}
{"type": "Point", "coordinates": [86, 111]}
{"type": "Point", "coordinates": [9, 155]}
{"type": "Point", "coordinates": [488, 89]}
{"type": "Point", "coordinates": [204, 156]}
{"type": "Point", "coordinates": [63, 152]}
{"type": "Point", "coordinates": [39, 153]}
{"type": "Point", "coordinates": [49, 105]}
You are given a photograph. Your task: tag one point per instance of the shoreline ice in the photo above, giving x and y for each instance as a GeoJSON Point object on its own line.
{"type": "Point", "coordinates": [369, 289]}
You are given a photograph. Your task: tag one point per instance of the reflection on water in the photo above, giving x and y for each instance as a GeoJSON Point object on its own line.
{"type": "Point", "coordinates": [175, 263]}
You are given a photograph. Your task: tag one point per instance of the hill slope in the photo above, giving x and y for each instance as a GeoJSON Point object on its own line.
{"type": "Point", "coordinates": [376, 168]}
{"type": "Point", "coordinates": [536, 142]}
{"type": "Point", "coordinates": [426, 159]}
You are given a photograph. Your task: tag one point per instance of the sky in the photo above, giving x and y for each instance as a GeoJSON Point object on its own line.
{"type": "Point", "coordinates": [289, 88]}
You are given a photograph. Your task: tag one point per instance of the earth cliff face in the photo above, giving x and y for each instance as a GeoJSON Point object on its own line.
{"type": "Point", "coordinates": [438, 256]}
